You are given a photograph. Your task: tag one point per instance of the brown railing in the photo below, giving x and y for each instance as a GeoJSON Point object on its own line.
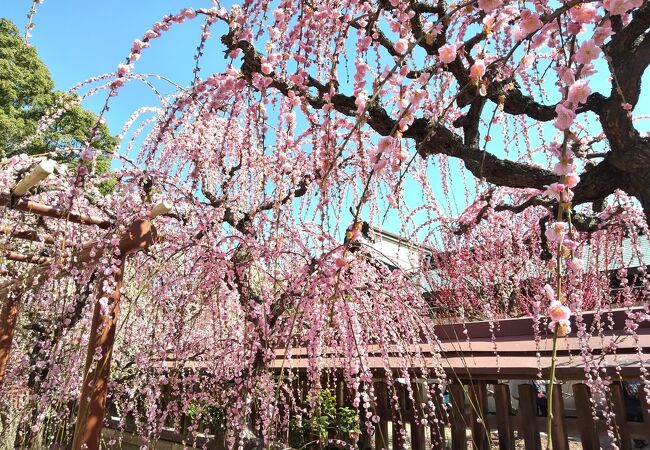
{"type": "Point", "coordinates": [489, 401]}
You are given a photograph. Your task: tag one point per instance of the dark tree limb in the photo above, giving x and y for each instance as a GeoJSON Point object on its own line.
{"type": "Point", "coordinates": [624, 166]}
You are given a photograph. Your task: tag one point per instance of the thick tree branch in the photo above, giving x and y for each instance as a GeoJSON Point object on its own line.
{"type": "Point", "coordinates": [629, 51]}
{"type": "Point", "coordinates": [430, 138]}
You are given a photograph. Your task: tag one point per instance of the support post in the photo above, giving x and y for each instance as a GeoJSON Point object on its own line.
{"type": "Point", "coordinates": [504, 416]}
{"type": "Point", "coordinates": [382, 409]}
{"type": "Point", "coordinates": [418, 435]}
{"type": "Point", "coordinates": [558, 426]}
{"type": "Point", "coordinates": [622, 429]}
{"type": "Point", "coordinates": [528, 417]}
{"type": "Point", "coordinates": [440, 416]}
{"type": "Point", "coordinates": [399, 417]}
{"type": "Point", "coordinates": [586, 424]}
{"type": "Point", "coordinates": [140, 235]}
{"type": "Point", "coordinates": [478, 405]}
{"type": "Point", "coordinates": [10, 296]}
{"type": "Point", "coordinates": [645, 411]}
{"type": "Point", "coordinates": [94, 388]}
{"type": "Point", "coordinates": [8, 319]}
{"type": "Point", "coordinates": [458, 420]}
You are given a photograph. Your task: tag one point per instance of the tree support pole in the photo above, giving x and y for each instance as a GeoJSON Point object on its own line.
{"type": "Point", "coordinates": [10, 298]}
{"type": "Point", "coordinates": [8, 319]}
{"type": "Point", "coordinates": [92, 401]}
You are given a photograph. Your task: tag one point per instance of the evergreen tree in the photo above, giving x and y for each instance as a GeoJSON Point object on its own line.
{"type": "Point", "coordinates": [27, 94]}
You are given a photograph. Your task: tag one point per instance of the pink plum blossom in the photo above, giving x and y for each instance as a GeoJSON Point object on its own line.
{"type": "Point", "coordinates": [477, 70]}
{"type": "Point", "coordinates": [557, 311]}
{"type": "Point", "coordinates": [571, 180]}
{"type": "Point", "coordinates": [564, 167]}
{"type": "Point", "coordinates": [549, 293]}
{"type": "Point", "coordinates": [87, 154]}
{"type": "Point", "coordinates": [447, 53]}
{"type": "Point", "coordinates": [401, 46]}
{"type": "Point", "coordinates": [556, 231]}
{"type": "Point", "coordinates": [601, 34]}
{"type": "Point", "coordinates": [123, 69]}
{"type": "Point", "coordinates": [556, 191]}
{"type": "Point", "coordinates": [385, 144]}
{"type": "Point", "coordinates": [529, 22]}
{"type": "Point", "coordinates": [489, 5]}
{"type": "Point", "coordinates": [565, 117]}
{"type": "Point", "coordinates": [587, 52]}
{"type": "Point", "coordinates": [583, 13]}
{"type": "Point", "coordinates": [563, 327]}
{"type": "Point", "coordinates": [578, 92]}
{"type": "Point", "coordinates": [619, 7]}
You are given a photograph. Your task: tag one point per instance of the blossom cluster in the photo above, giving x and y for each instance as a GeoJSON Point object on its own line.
{"type": "Point", "coordinates": [263, 159]}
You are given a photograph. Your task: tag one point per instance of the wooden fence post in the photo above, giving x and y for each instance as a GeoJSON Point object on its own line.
{"type": "Point", "coordinates": [399, 415]}
{"type": "Point", "coordinates": [478, 413]}
{"type": "Point", "coordinates": [92, 401]}
{"type": "Point", "coordinates": [558, 426]}
{"type": "Point", "coordinates": [528, 416]}
{"type": "Point", "coordinates": [504, 419]}
{"type": "Point", "coordinates": [458, 421]}
{"type": "Point", "coordinates": [418, 436]}
{"type": "Point", "coordinates": [586, 424]}
{"type": "Point", "coordinates": [624, 439]}
{"type": "Point", "coordinates": [382, 410]}
{"type": "Point", "coordinates": [8, 319]}
{"type": "Point", "coordinates": [645, 410]}
{"type": "Point", "coordinates": [10, 298]}
{"type": "Point", "coordinates": [440, 417]}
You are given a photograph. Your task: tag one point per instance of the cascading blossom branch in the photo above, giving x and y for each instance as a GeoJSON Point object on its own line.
{"type": "Point", "coordinates": [262, 161]}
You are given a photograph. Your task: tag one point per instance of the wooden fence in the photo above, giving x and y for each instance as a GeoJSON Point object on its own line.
{"type": "Point", "coordinates": [491, 399]}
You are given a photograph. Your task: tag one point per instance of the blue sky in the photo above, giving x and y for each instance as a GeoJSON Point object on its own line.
{"type": "Point", "coordinates": [80, 39]}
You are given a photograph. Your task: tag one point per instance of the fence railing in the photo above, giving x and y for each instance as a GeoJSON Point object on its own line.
{"type": "Point", "coordinates": [493, 394]}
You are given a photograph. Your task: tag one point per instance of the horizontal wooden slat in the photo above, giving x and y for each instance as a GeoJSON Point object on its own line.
{"type": "Point", "coordinates": [522, 326]}
{"type": "Point", "coordinates": [516, 345]}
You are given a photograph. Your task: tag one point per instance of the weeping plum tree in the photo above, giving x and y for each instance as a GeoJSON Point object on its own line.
{"type": "Point", "coordinates": [520, 113]}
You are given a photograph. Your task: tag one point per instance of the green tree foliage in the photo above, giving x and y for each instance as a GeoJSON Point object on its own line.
{"type": "Point", "coordinates": [27, 94]}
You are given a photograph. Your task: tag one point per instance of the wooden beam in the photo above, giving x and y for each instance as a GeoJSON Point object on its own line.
{"type": "Point", "coordinates": [40, 172]}
{"type": "Point", "coordinates": [140, 235]}
{"type": "Point", "coordinates": [35, 236]}
{"type": "Point", "coordinates": [30, 235]}
{"type": "Point", "coordinates": [29, 259]}
{"type": "Point", "coordinates": [40, 209]}
{"type": "Point", "coordinates": [161, 209]}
